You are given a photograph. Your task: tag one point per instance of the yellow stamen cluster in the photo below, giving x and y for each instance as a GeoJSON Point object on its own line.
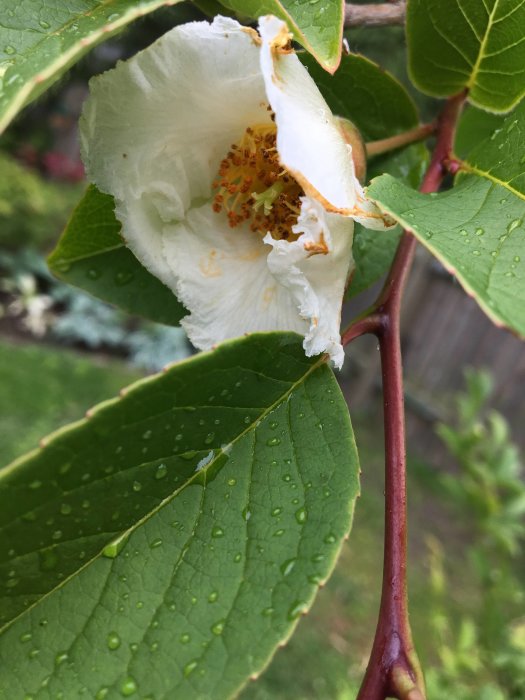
{"type": "Point", "coordinates": [253, 187]}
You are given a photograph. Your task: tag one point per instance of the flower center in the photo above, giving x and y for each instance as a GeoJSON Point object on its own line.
{"type": "Point", "coordinates": [252, 186]}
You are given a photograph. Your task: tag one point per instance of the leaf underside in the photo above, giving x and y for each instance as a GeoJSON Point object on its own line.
{"type": "Point", "coordinates": [92, 255]}
{"type": "Point", "coordinates": [169, 543]}
{"type": "Point", "coordinates": [474, 44]}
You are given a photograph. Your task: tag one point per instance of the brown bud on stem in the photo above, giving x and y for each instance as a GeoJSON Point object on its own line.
{"type": "Point", "coordinates": [352, 136]}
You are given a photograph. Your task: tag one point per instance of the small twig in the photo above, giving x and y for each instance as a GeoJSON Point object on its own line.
{"type": "Point", "coordinates": [393, 669]}
{"type": "Point", "coordinates": [419, 133]}
{"type": "Point", "coordinates": [375, 15]}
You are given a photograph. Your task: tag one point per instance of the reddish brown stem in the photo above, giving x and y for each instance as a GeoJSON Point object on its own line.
{"type": "Point", "coordinates": [375, 15]}
{"type": "Point", "coordinates": [393, 669]}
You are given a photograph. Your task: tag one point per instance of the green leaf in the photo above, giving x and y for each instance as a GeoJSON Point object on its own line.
{"type": "Point", "coordinates": [92, 255]}
{"type": "Point", "coordinates": [475, 126]}
{"type": "Point", "coordinates": [317, 25]}
{"type": "Point", "coordinates": [39, 41]}
{"type": "Point", "coordinates": [474, 44]}
{"type": "Point", "coordinates": [476, 229]}
{"type": "Point", "coordinates": [170, 542]}
{"type": "Point", "coordinates": [380, 107]}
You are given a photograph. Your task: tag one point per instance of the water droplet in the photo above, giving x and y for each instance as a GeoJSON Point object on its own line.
{"type": "Point", "coordinates": [212, 598]}
{"type": "Point", "coordinates": [246, 513]}
{"type": "Point", "coordinates": [113, 641]}
{"type": "Point", "coordinates": [113, 16]}
{"type": "Point", "coordinates": [185, 639]}
{"type": "Point", "coordinates": [480, 231]}
{"type": "Point", "coordinates": [147, 435]}
{"type": "Point", "coordinates": [510, 274]}
{"type": "Point", "coordinates": [232, 482]}
{"type": "Point", "coordinates": [162, 471]}
{"type": "Point", "coordinates": [267, 612]}
{"type": "Point", "coordinates": [517, 258]}
{"type": "Point", "coordinates": [218, 627]}
{"type": "Point", "coordinates": [315, 579]}
{"type": "Point", "coordinates": [189, 668]}
{"type": "Point", "coordinates": [57, 534]}
{"type": "Point", "coordinates": [26, 637]}
{"type": "Point", "coordinates": [128, 687]}
{"type": "Point", "coordinates": [137, 486]}
{"type": "Point", "coordinates": [278, 533]}
{"type": "Point", "coordinates": [65, 509]}
{"type": "Point", "coordinates": [237, 558]}
{"type": "Point", "coordinates": [274, 424]}
{"type": "Point", "coordinates": [102, 693]}
{"type": "Point", "coordinates": [476, 253]}
{"type": "Point", "coordinates": [154, 646]}
{"type": "Point", "coordinates": [44, 24]}
{"type": "Point", "coordinates": [514, 225]}
{"type": "Point", "coordinates": [122, 278]}
{"type": "Point", "coordinates": [287, 567]}
{"type": "Point", "coordinates": [35, 484]}
{"type": "Point", "coordinates": [156, 543]}
{"type": "Point", "coordinates": [463, 232]}
{"type": "Point", "coordinates": [61, 657]}
{"type": "Point", "coordinates": [330, 538]}
{"type": "Point", "coordinates": [93, 273]}
{"type": "Point", "coordinates": [139, 604]}
{"type": "Point", "coordinates": [209, 438]}
{"type": "Point", "coordinates": [297, 609]}
{"type": "Point", "coordinates": [277, 511]}
{"type": "Point", "coordinates": [272, 442]}
{"type": "Point", "coordinates": [217, 531]}
{"type": "Point", "coordinates": [9, 50]}
{"type": "Point", "coordinates": [301, 516]}
{"type": "Point", "coordinates": [287, 477]}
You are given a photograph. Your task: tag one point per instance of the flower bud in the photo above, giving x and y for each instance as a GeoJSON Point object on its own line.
{"type": "Point", "coordinates": [352, 136]}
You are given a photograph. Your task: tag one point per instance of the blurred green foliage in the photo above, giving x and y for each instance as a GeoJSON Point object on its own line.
{"type": "Point", "coordinates": [32, 210]}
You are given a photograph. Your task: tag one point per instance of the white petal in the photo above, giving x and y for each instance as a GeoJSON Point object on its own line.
{"type": "Point", "coordinates": [314, 268]}
{"type": "Point", "coordinates": [309, 140]}
{"type": "Point", "coordinates": [155, 128]}
{"type": "Point", "coordinates": [222, 277]}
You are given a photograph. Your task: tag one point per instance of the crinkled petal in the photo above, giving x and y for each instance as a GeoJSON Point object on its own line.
{"type": "Point", "coordinates": [155, 128]}
{"type": "Point", "coordinates": [314, 269]}
{"type": "Point", "coordinates": [221, 275]}
{"type": "Point", "coordinates": [309, 140]}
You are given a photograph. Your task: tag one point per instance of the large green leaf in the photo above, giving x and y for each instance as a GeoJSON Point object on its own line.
{"type": "Point", "coordinates": [379, 106]}
{"type": "Point", "coordinates": [317, 25]}
{"type": "Point", "coordinates": [40, 40]}
{"type": "Point", "coordinates": [474, 44]}
{"type": "Point", "coordinates": [92, 255]}
{"type": "Point", "coordinates": [165, 546]}
{"type": "Point", "coordinates": [476, 229]}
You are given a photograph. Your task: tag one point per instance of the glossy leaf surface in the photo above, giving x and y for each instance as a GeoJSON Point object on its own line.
{"type": "Point", "coordinates": [41, 40]}
{"type": "Point", "coordinates": [166, 545]}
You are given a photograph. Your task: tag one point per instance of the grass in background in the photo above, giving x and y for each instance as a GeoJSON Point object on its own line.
{"type": "Point", "coordinates": [44, 388]}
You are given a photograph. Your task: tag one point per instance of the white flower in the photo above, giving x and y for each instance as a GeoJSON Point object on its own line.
{"type": "Point", "coordinates": [232, 180]}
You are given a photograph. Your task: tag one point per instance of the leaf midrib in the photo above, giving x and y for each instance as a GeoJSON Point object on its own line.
{"type": "Point", "coordinates": [481, 53]}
